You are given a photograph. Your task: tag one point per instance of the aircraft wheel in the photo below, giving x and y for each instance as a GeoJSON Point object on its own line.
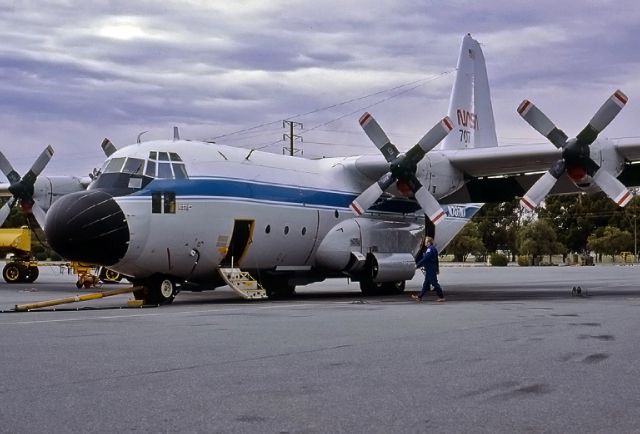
{"type": "Point", "coordinates": [278, 288]}
{"type": "Point", "coordinates": [394, 287]}
{"type": "Point", "coordinates": [157, 290]}
{"type": "Point", "coordinates": [12, 273]}
{"type": "Point", "coordinates": [108, 276]}
{"type": "Point", "coordinates": [32, 274]}
{"type": "Point", "coordinates": [369, 287]}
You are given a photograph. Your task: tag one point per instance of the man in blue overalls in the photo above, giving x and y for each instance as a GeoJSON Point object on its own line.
{"type": "Point", "coordinates": [429, 261]}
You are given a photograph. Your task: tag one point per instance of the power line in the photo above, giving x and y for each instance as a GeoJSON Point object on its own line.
{"type": "Point", "coordinates": [415, 84]}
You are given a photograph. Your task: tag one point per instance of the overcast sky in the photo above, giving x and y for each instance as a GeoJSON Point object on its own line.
{"type": "Point", "coordinates": [74, 72]}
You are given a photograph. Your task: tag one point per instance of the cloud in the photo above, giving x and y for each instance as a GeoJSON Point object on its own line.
{"type": "Point", "coordinates": [72, 73]}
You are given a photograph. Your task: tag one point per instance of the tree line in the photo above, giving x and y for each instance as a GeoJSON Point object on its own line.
{"type": "Point", "coordinates": [569, 224]}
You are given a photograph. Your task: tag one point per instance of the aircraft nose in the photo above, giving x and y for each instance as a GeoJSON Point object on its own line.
{"type": "Point", "coordinates": [88, 226]}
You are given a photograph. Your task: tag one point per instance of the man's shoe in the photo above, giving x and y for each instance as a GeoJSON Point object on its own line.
{"type": "Point", "coordinates": [416, 298]}
{"type": "Point", "coordinates": [440, 300]}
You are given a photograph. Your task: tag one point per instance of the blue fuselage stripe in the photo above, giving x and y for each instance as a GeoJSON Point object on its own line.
{"type": "Point", "coordinates": [241, 189]}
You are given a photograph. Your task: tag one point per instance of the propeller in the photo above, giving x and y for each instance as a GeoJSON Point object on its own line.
{"type": "Point", "coordinates": [576, 160]}
{"type": "Point", "coordinates": [22, 188]}
{"type": "Point", "coordinates": [109, 147]}
{"type": "Point", "coordinates": [402, 167]}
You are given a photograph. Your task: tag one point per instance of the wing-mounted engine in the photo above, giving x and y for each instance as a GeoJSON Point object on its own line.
{"type": "Point", "coordinates": [22, 188]}
{"type": "Point", "coordinates": [577, 160]}
{"type": "Point", "coordinates": [402, 168]}
{"type": "Point", "coordinates": [379, 250]}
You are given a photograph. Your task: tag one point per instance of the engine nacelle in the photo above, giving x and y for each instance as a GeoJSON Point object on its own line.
{"type": "Point", "coordinates": [438, 175]}
{"type": "Point", "coordinates": [48, 189]}
{"type": "Point", "coordinates": [348, 246]}
{"type": "Point", "coordinates": [604, 153]}
{"type": "Point", "coordinates": [390, 267]}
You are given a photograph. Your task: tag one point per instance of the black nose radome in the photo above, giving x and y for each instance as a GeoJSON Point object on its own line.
{"type": "Point", "coordinates": [88, 226]}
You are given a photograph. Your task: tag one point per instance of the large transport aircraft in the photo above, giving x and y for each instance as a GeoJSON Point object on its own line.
{"type": "Point", "coordinates": [171, 214]}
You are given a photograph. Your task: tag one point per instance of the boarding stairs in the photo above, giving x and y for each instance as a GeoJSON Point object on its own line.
{"type": "Point", "coordinates": [242, 283]}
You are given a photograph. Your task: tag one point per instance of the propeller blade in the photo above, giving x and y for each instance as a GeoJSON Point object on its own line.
{"type": "Point", "coordinates": [377, 135]}
{"type": "Point", "coordinates": [429, 205]}
{"type": "Point", "coordinates": [602, 118]}
{"type": "Point", "coordinates": [8, 170]}
{"type": "Point", "coordinates": [38, 165]}
{"type": "Point", "coordinates": [542, 186]}
{"type": "Point", "coordinates": [541, 123]}
{"type": "Point", "coordinates": [39, 214]}
{"type": "Point", "coordinates": [109, 148]}
{"type": "Point", "coordinates": [612, 187]}
{"type": "Point", "coordinates": [430, 140]}
{"type": "Point", "coordinates": [6, 209]}
{"type": "Point", "coordinates": [371, 194]}
{"type": "Point", "coordinates": [436, 134]}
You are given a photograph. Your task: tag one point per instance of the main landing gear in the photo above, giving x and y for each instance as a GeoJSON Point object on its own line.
{"type": "Point", "coordinates": [157, 290]}
{"type": "Point", "coordinates": [369, 287]}
{"type": "Point", "coordinates": [277, 287]}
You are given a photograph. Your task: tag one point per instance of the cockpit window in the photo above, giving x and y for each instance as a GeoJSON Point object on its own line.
{"type": "Point", "coordinates": [133, 166]}
{"type": "Point", "coordinates": [115, 165]}
{"type": "Point", "coordinates": [128, 174]}
{"type": "Point", "coordinates": [179, 171]}
{"type": "Point", "coordinates": [164, 170]}
{"type": "Point", "coordinates": [151, 168]}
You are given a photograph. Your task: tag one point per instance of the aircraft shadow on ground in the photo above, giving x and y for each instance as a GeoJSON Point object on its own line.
{"type": "Point", "coordinates": [454, 294]}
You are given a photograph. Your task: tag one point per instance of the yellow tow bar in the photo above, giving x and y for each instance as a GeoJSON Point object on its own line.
{"type": "Point", "coordinates": [75, 299]}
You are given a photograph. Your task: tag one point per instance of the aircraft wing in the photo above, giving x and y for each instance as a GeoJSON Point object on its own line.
{"type": "Point", "coordinates": [501, 173]}
{"type": "Point", "coordinates": [504, 160]}
{"type": "Point", "coordinates": [628, 148]}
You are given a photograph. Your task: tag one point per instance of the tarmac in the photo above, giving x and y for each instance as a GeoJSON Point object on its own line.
{"type": "Point", "coordinates": [513, 349]}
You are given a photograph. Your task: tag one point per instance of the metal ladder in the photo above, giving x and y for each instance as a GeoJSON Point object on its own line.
{"type": "Point", "coordinates": [243, 284]}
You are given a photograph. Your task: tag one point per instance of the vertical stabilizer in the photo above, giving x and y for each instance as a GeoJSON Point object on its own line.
{"type": "Point", "coordinates": [470, 104]}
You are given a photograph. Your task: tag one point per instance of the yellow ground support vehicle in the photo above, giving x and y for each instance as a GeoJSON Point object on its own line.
{"type": "Point", "coordinates": [15, 244]}
{"type": "Point", "coordinates": [91, 275]}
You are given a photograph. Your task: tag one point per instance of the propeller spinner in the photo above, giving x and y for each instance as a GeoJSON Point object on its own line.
{"type": "Point", "coordinates": [402, 167]}
{"type": "Point", "coordinates": [22, 188]}
{"type": "Point", "coordinates": [576, 160]}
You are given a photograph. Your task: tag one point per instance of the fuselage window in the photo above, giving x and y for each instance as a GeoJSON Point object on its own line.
{"type": "Point", "coordinates": [114, 166]}
{"type": "Point", "coordinates": [304, 231]}
{"type": "Point", "coordinates": [267, 229]}
{"type": "Point", "coordinates": [135, 183]}
{"type": "Point", "coordinates": [286, 230]}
